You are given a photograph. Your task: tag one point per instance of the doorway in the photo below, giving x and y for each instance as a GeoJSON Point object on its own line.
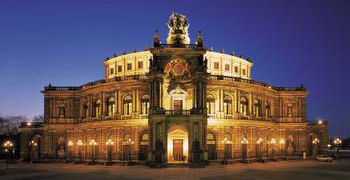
{"type": "Point", "coordinates": [178, 150]}
{"type": "Point", "coordinates": [177, 145]}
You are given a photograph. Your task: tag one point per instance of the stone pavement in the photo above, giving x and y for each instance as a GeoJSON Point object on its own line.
{"type": "Point", "coordinates": [300, 170]}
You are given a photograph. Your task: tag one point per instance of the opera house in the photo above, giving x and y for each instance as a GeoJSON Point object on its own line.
{"type": "Point", "coordinates": [177, 102]}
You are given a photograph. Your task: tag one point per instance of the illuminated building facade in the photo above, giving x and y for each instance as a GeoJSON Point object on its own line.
{"type": "Point", "coordinates": [176, 102]}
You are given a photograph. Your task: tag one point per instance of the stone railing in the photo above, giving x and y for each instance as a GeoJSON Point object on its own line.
{"type": "Point", "coordinates": [252, 81]}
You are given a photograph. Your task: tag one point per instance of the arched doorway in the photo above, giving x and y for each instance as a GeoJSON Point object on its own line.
{"type": "Point", "coordinates": [211, 146]}
{"type": "Point", "coordinates": [177, 144]}
{"type": "Point", "coordinates": [144, 147]}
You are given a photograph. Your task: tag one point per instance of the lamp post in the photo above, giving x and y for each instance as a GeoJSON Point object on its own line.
{"type": "Point", "coordinates": [31, 144]}
{"type": "Point", "coordinates": [131, 142]}
{"type": "Point", "coordinates": [109, 145]}
{"type": "Point", "coordinates": [337, 143]}
{"type": "Point", "coordinates": [8, 145]}
{"type": "Point", "coordinates": [70, 145]}
{"type": "Point", "coordinates": [80, 144]}
{"type": "Point", "coordinates": [258, 147]}
{"type": "Point", "coordinates": [224, 142]}
{"type": "Point", "coordinates": [93, 144]}
{"type": "Point", "coordinates": [329, 147]}
{"type": "Point", "coordinates": [282, 142]}
{"type": "Point", "coordinates": [315, 144]}
{"type": "Point", "coordinates": [273, 142]}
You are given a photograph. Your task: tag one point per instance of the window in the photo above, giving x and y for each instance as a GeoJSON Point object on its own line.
{"type": "Point", "coordinates": [216, 65]}
{"type": "Point", "coordinates": [244, 106]}
{"type": "Point", "coordinates": [144, 104]}
{"type": "Point", "coordinates": [257, 108]}
{"type": "Point", "coordinates": [110, 106]}
{"type": "Point", "coordinates": [211, 105]}
{"type": "Point", "coordinates": [289, 111]}
{"type": "Point", "coordinates": [243, 72]}
{"type": "Point", "coordinates": [236, 69]}
{"type": "Point", "coordinates": [120, 68]}
{"type": "Point", "coordinates": [86, 110]}
{"type": "Point", "coordinates": [127, 105]}
{"type": "Point", "coordinates": [97, 108]}
{"type": "Point", "coordinates": [112, 71]}
{"type": "Point", "coordinates": [227, 67]}
{"type": "Point", "coordinates": [268, 110]}
{"type": "Point", "coordinates": [227, 105]}
{"type": "Point", "coordinates": [140, 65]}
{"type": "Point", "coordinates": [129, 66]}
{"type": "Point", "coordinates": [62, 112]}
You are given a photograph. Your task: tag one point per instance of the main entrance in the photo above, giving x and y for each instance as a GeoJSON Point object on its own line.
{"type": "Point", "coordinates": [177, 145]}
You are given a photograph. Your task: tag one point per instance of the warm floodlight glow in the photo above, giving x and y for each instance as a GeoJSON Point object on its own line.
{"type": "Point", "coordinates": [80, 143]}
{"type": "Point", "coordinates": [109, 142]}
{"type": "Point", "coordinates": [320, 122]}
{"type": "Point", "coordinates": [70, 143]}
{"type": "Point", "coordinates": [93, 142]}
{"type": "Point", "coordinates": [273, 141]}
{"type": "Point", "coordinates": [282, 141]}
{"type": "Point", "coordinates": [8, 144]}
{"type": "Point", "coordinates": [244, 141]}
{"type": "Point", "coordinates": [315, 141]}
{"type": "Point", "coordinates": [259, 141]}
{"type": "Point", "coordinates": [337, 141]}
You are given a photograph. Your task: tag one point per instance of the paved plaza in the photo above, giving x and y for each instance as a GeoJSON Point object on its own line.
{"type": "Point", "coordinates": [308, 170]}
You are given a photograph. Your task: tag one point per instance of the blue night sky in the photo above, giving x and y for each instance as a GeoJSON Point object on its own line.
{"type": "Point", "coordinates": [65, 43]}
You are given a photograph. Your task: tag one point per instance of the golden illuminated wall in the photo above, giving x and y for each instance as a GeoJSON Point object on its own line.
{"type": "Point", "coordinates": [138, 64]}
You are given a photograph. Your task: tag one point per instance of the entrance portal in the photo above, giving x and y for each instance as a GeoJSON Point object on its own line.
{"type": "Point", "coordinates": [177, 145]}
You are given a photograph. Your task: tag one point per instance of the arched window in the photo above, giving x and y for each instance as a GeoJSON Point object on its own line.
{"type": "Point", "coordinates": [268, 109]}
{"type": "Point", "coordinates": [110, 106]}
{"type": "Point", "coordinates": [244, 106]}
{"type": "Point", "coordinates": [211, 104]}
{"type": "Point", "coordinates": [127, 105]}
{"type": "Point", "coordinates": [227, 105]}
{"type": "Point", "coordinates": [144, 104]}
{"type": "Point", "coordinates": [257, 108]}
{"type": "Point", "coordinates": [85, 110]}
{"type": "Point", "coordinates": [97, 108]}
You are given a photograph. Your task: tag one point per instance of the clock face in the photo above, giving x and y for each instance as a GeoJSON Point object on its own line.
{"type": "Point", "coordinates": [176, 67]}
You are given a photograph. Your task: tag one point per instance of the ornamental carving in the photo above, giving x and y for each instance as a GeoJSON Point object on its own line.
{"type": "Point", "coordinates": [177, 68]}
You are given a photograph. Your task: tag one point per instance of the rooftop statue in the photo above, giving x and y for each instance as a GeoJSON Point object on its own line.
{"type": "Point", "coordinates": [178, 29]}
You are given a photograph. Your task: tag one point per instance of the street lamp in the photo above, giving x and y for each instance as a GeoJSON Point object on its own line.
{"type": "Point", "coordinates": [273, 142]}
{"type": "Point", "coordinates": [315, 143]}
{"type": "Point", "coordinates": [224, 142]}
{"type": "Point", "coordinates": [80, 144]}
{"type": "Point", "coordinates": [8, 145]}
{"type": "Point", "coordinates": [31, 144]}
{"type": "Point", "coordinates": [244, 143]}
{"type": "Point", "coordinates": [131, 142]}
{"type": "Point", "coordinates": [258, 146]}
{"type": "Point", "coordinates": [70, 145]}
{"type": "Point", "coordinates": [337, 143]}
{"type": "Point", "coordinates": [109, 145]}
{"type": "Point", "coordinates": [282, 142]}
{"type": "Point", "coordinates": [93, 144]}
